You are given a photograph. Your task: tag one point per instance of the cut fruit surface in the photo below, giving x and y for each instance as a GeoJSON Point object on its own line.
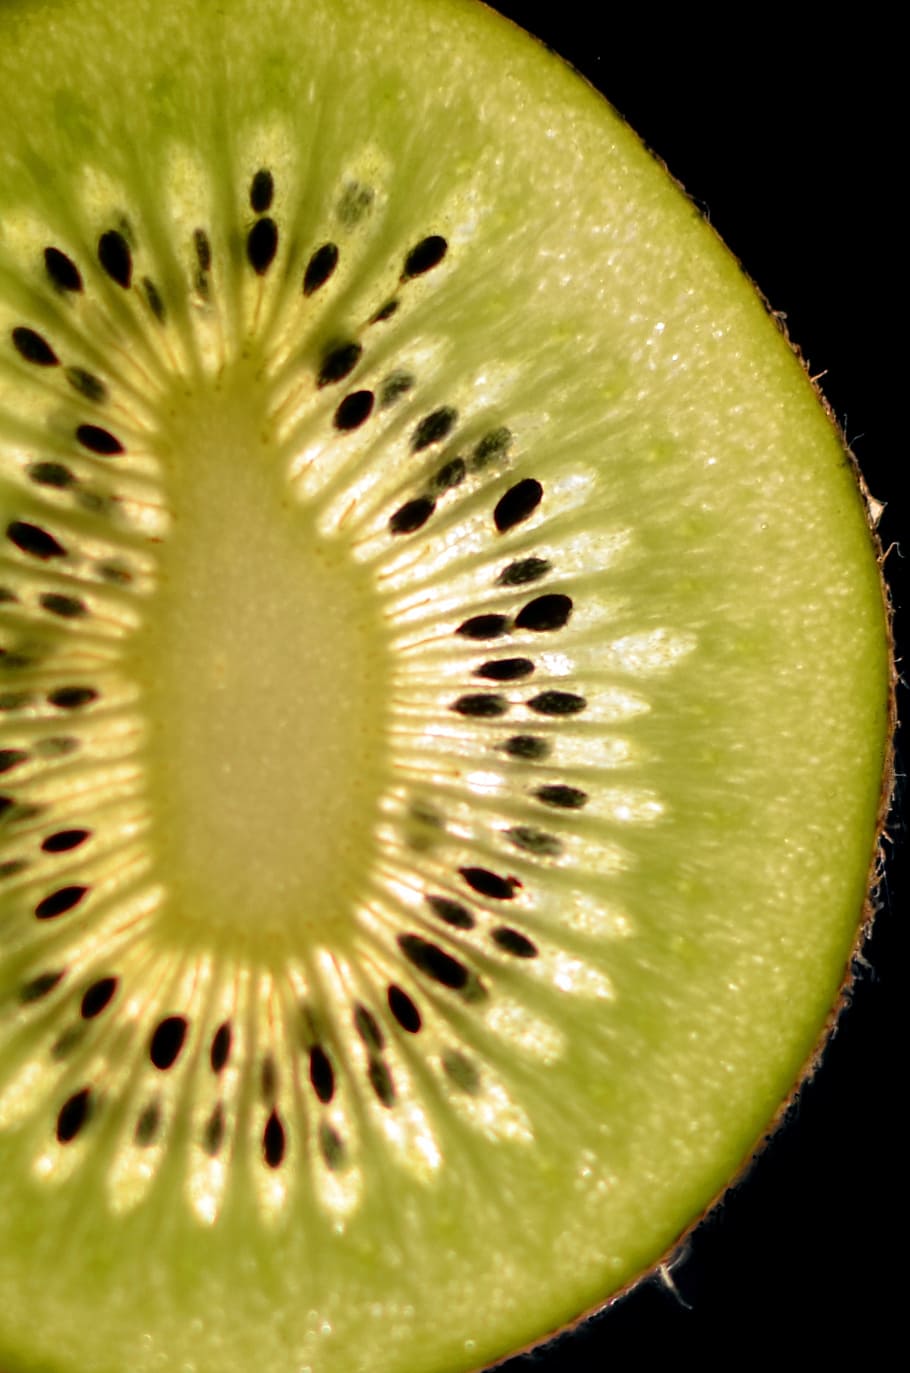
{"type": "Point", "coordinates": [444, 693]}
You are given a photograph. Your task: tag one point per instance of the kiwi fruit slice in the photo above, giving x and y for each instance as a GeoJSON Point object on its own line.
{"type": "Point", "coordinates": [439, 791]}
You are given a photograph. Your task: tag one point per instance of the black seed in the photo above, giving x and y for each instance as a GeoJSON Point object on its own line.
{"type": "Point", "coordinates": [72, 697]}
{"type": "Point", "coordinates": [452, 912]}
{"type": "Point", "coordinates": [368, 1028]}
{"type": "Point", "coordinates": [483, 627]}
{"type": "Point", "coordinates": [67, 607]}
{"type": "Point", "coordinates": [412, 516]}
{"type": "Point", "coordinates": [59, 902]}
{"type": "Point", "coordinates": [322, 1074]}
{"type": "Point", "coordinates": [381, 1081]}
{"type": "Point", "coordinates": [39, 987]}
{"type": "Point", "coordinates": [331, 1146]}
{"type": "Point", "coordinates": [519, 502]}
{"type": "Point", "coordinates": [513, 942]}
{"type": "Point", "coordinates": [433, 961]}
{"type": "Point", "coordinates": [203, 250]}
{"type": "Point", "coordinates": [7, 596]}
{"type": "Point", "coordinates": [74, 1114]}
{"type": "Point", "coordinates": [87, 384]}
{"type": "Point", "coordinates": [535, 841]}
{"type": "Point", "coordinates": [31, 538]}
{"type": "Point", "coordinates": [98, 440]}
{"type": "Point", "coordinates": [115, 257]}
{"type": "Point", "coordinates": [339, 363]}
{"type": "Point", "coordinates": [62, 270]}
{"type": "Point", "coordinates": [354, 410]}
{"type": "Point", "coordinates": [319, 268]}
{"type": "Point", "coordinates": [384, 312]}
{"type": "Point", "coordinates": [213, 1137]}
{"type": "Point", "coordinates": [461, 1071]}
{"type": "Point", "coordinates": [450, 475]}
{"type": "Point", "coordinates": [492, 446]}
{"type": "Point", "coordinates": [167, 1042]}
{"type": "Point", "coordinates": [557, 703]}
{"type": "Point", "coordinates": [483, 706]}
{"type": "Point", "coordinates": [404, 1010]}
{"type": "Point", "coordinates": [64, 840]}
{"type": "Point", "coordinates": [262, 190]}
{"type": "Point", "coordinates": [395, 385]}
{"type": "Point", "coordinates": [147, 1125]}
{"type": "Point", "coordinates": [262, 245]}
{"type": "Point", "coordinates": [545, 613]}
{"type": "Point", "coordinates": [526, 746]}
{"type": "Point", "coordinates": [567, 798]}
{"type": "Point", "coordinates": [523, 571]}
{"type": "Point", "coordinates": [220, 1051]}
{"type": "Point", "coordinates": [11, 758]}
{"type": "Point", "coordinates": [433, 428]}
{"type": "Point", "coordinates": [490, 883]}
{"type": "Point", "coordinates": [428, 253]}
{"type": "Point", "coordinates": [31, 346]}
{"type": "Point", "coordinates": [505, 669]}
{"type": "Point", "coordinates": [97, 997]}
{"type": "Point", "coordinates": [154, 299]}
{"type": "Point", "coordinates": [273, 1141]}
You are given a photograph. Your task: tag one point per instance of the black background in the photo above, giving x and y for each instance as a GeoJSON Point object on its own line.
{"type": "Point", "coordinates": [780, 127]}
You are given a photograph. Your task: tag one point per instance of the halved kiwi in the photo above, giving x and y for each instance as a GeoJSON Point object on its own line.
{"type": "Point", "coordinates": [439, 790]}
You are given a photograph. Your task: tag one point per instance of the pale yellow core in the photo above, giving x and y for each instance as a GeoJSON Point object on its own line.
{"type": "Point", "coordinates": [266, 675]}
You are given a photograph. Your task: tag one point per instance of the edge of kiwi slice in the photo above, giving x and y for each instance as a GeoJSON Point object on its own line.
{"type": "Point", "coordinates": [150, 294]}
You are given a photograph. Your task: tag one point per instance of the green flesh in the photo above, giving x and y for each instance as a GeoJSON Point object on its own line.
{"type": "Point", "coordinates": [278, 765]}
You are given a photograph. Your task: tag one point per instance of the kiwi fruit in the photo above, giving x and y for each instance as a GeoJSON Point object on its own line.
{"type": "Point", "coordinates": [439, 792]}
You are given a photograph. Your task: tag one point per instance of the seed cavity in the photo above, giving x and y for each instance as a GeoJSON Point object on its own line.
{"type": "Point", "coordinates": [403, 1009]}
{"type": "Point", "coordinates": [545, 613]}
{"type": "Point", "coordinates": [87, 384]}
{"type": "Point", "coordinates": [452, 912]}
{"type": "Point", "coordinates": [368, 1028]}
{"type": "Point", "coordinates": [450, 475]}
{"type": "Point", "coordinates": [339, 363]}
{"type": "Point", "coordinates": [562, 796]}
{"type": "Point", "coordinates": [461, 1071]}
{"type": "Point", "coordinates": [154, 299]}
{"type": "Point", "coordinates": [33, 347]}
{"type": "Point", "coordinates": [354, 410]}
{"type": "Point", "coordinates": [115, 257]}
{"type": "Point", "coordinates": [147, 1125]}
{"type": "Point", "coordinates": [167, 1042]}
{"type": "Point", "coordinates": [98, 440]}
{"type": "Point", "coordinates": [60, 902]}
{"type": "Point", "coordinates": [331, 1146]}
{"type": "Point", "coordinates": [433, 428]}
{"type": "Point", "coordinates": [492, 447]}
{"type": "Point", "coordinates": [434, 962]}
{"type": "Point", "coordinates": [67, 607]}
{"type": "Point", "coordinates": [62, 270]}
{"type": "Point", "coordinates": [523, 571]}
{"type": "Point", "coordinates": [319, 268]}
{"type": "Point", "coordinates": [11, 758]}
{"type": "Point", "coordinates": [32, 539]}
{"type": "Point", "coordinates": [213, 1135]}
{"type": "Point", "coordinates": [527, 746]}
{"type": "Point", "coordinates": [535, 841]}
{"type": "Point", "coordinates": [74, 1115]}
{"type": "Point", "coordinates": [396, 384]}
{"type": "Point", "coordinates": [481, 705]}
{"type": "Point", "coordinates": [426, 255]}
{"type": "Point", "coordinates": [558, 703]}
{"type": "Point", "coordinates": [39, 987]}
{"type": "Point", "coordinates": [513, 942]}
{"type": "Point", "coordinates": [381, 1081]}
{"type": "Point", "coordinates": [262, 245]}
